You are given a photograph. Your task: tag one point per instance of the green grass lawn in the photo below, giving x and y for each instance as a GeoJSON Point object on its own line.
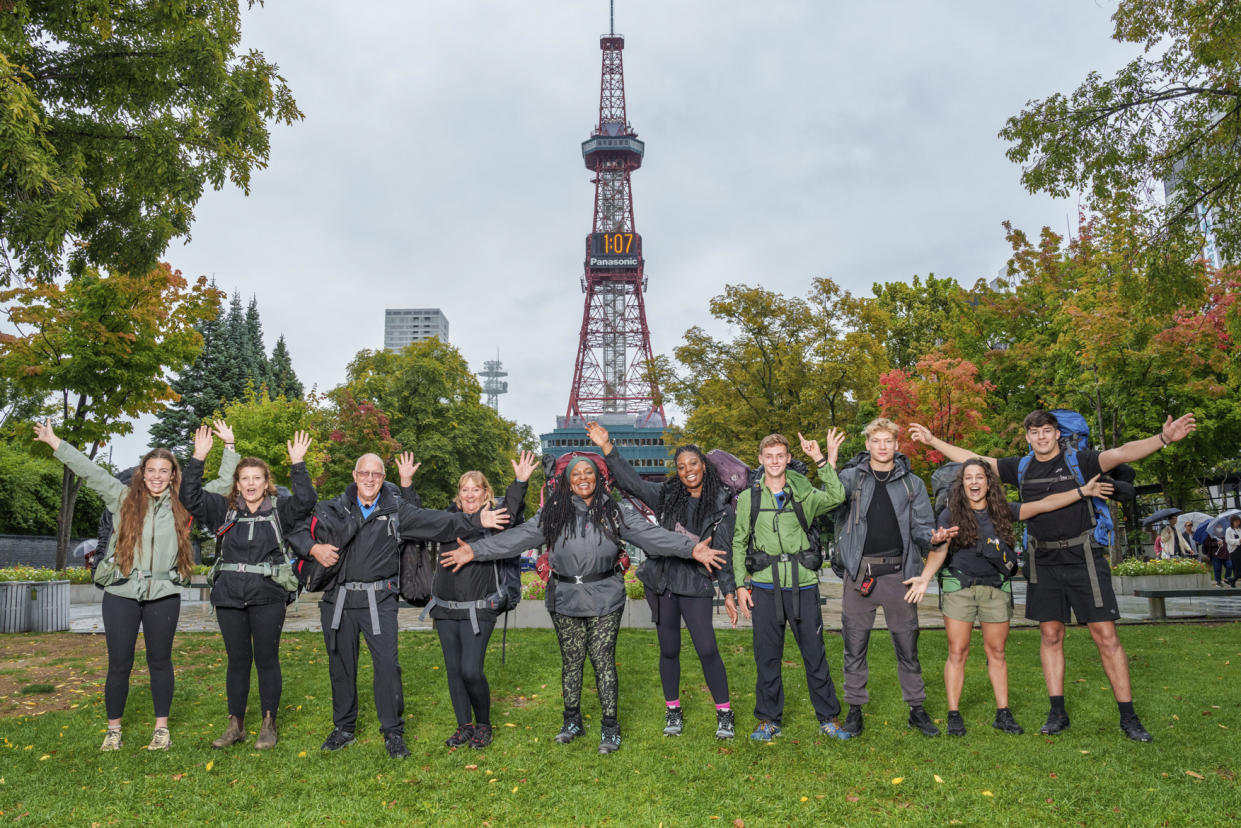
{"type": "Point", "coordinates": [53, 773]}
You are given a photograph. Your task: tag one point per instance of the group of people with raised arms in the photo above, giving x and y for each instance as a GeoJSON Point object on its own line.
{"type": "Point", "coordinates": [761, 557]}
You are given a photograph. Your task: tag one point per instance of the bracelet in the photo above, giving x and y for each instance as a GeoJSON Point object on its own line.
{"type": "Point", "coordinates": [821, 463]}
{"type": "Point", "coordinates": [1163, 439]}
{"type": "Point", "coordinates": [1080, 495]}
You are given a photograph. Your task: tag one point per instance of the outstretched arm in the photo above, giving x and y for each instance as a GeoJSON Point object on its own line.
{"type": "Point", "coordinates": [1134, 450]}
{"type": "Point", "coordinates": [1092, 488]}
{"type": "Point", "coordinates": [96, 478]}
{"type": "Point", "coordinates": [222, 484]}
{"type": "Point", "coordinates": [934, 560]}
{"type": "Point", "coordinates": [954, 453]}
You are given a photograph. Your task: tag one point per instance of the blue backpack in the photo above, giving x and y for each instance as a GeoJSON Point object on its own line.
{"type": "Point", "coordinates": [1074, 437]}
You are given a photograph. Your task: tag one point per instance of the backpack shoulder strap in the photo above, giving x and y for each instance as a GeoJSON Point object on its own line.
{"type": "Point", "coordinates": [230, 518]}
{"type": "Point", "coordinates": [756, 499]}
{"type": "Point", "coordinates": [1023, 465]}
{"type": "Point", "coordinates": [801, 515]}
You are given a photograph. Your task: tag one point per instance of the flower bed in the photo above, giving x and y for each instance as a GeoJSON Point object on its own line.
{"type": "Point", "coordinates": [77, 575]}
{"type": "Point", "coordinates": [1175, 566]}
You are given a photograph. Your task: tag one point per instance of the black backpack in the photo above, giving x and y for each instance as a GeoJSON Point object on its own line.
{"type": "Point", "coordinates": [417, 571]}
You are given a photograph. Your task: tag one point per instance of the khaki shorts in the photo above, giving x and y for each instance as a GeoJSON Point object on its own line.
{"type": "Point", "coordinates": [978, 603]}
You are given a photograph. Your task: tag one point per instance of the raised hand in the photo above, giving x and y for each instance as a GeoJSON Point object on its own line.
{"type": "Point", "coordinates": [1179, 428]}
{"type": "Point", "coordinates": [524, 466]}
{"type": "Point", "coordinates": [224, 431]}
{"type": "Point", "coordinates": [943, 534]}
{"type": "Point", "coordinates": [454, 559]}
{"type": "Point", "coordinates": [494, 518]}
{"type": "Point", "coordinates": [297, 447]}
{"type": "Point", "coordinates": [202, 442]}
{"type": "Point", "coordinates": [44, 434]}
{"type": "Point", "coordinates": [1097, 488]}
{"type": "Point", "coordinates": [406, 467]}
{"type": "Point", "coordinates": [835, 438]}
{"type": "Point", "coordinates": [810, 448]}
{"type": "Point", "coordinates": [708, 557]}
{"type": "Point", "coordinates": [597, 434]}
{"type": "Point", "coordinates": [921, 434]}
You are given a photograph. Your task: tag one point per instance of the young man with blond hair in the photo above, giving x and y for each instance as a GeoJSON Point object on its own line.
{"type": "Point", "coordinates": [882, 532]}
{"type": "Point", "coordinates": [778, 582]}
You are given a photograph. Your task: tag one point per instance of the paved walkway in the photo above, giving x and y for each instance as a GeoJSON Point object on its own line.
{"type": "Point", "coordinates": [196, 615]}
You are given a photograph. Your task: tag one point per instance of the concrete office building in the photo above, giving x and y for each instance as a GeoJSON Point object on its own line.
{"type": "Point", "coordinates": [405, 325]}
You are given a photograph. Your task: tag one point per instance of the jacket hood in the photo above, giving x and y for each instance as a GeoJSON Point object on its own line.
{"type": "Point", "coordinates": [862, 459]}
{"type": "Point", "coordinates": [798, 484]}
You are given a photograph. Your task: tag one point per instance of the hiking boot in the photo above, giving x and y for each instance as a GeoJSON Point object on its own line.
{"type": "Point", "coordinates": [267, 733]}
{"type": "Point", "coordinates": [113, 740]}
{"type": "Point", "coordinates": [338, 739]}
{"type": "Point", "coordinates": [920, 719]}
{"type": "Point", "coordinates": [395, 744]}
{"type": "Point", "coordinates": [1057, 720]}
{"type": "Point", "coordinates": [571, 729]}
{"type": "Point", "coordinates": [461, 737]}
{"type": "Point", "coordinates": [674, 721]}
{"type": "Point", "coordinates": [1005, 722]}
{"type": "Point", "coordinates": [481, 737]}
{"type": "Point", "coordinates": [234, 733]}
{"type": "Point", "coordinates": [725, 727]}
{"type": "Point", "coordinates": [833, 730]}
{"type": "Point", "coordinates": [853, 722]}
{"type": "Point", "coordinates": [956, 725]}
{"type": "Point", "coordinates": [609, 738]}
{"type": "Point", "coordinates": [765, 732]}
{"type": "Point", "coordinates": [160, 740]}
{"type": "Point", "coordinates": [1132, 726]}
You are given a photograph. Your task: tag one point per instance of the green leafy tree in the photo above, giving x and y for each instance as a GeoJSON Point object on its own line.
{"type": "Point", "coordinates": [1171, 115]}
{"type": "Point", "coordinates": [917, 314]}
{"type": "Point", "coordinates": [263, 425]}
{"type": "Point", "coordinates": [30, 496]}
{"type": "Point", "coordinates": [114, 117]}
{"type": "Point", "coordinates": [355, 428]}
{"type": "Point", "coordinates": [102, 347]}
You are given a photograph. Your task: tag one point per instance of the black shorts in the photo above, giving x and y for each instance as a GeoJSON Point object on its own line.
{"type": "Point", "coordinates": [1061, 588]}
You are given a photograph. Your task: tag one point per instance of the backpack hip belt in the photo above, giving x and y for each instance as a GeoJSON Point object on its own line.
{"type": "Point", "coordinates": [587, 579]}
{"type": "Point", "coordinates": [264, 569]}
{"type": "Point", "coordinates": [472, 607]}
{"type": "Point", "coordinates": [1084, 541]}
{"type": "Point", "coordinates": [370, 588]}
{"type": "Point", "coordinates": [885, 563]}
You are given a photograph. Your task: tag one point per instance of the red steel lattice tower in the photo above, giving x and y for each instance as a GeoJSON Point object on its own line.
{"type": "Point", "coordinates": [612, 373]}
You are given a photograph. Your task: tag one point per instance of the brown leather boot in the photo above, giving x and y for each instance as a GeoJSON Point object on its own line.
{"type": "Point", "coordinates": [267, 732]}
{"type": "Point", "coordinates": [234, 733]}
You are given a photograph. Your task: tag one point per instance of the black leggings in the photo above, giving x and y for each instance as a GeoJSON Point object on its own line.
{"type": "Point", "coordinates": [595, 636]}
{"type": "Point", "coordinates": [696, 611]}
{"type": "Point", "coordinates": [252, 635]}
{"type": "Point", "coordinates": [121, 618]}
{"type": "Point", "coordinates": [464, 653]}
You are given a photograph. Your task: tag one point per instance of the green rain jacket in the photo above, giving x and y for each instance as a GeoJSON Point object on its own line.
{"type": "Point", "coordinates": [777, 531]}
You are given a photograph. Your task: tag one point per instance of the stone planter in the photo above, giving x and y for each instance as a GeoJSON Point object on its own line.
{"type": "Point", "coordinates": [49, 606]}
{"type": "Point", "coordinates": [1126, 584]}
{"type": "Point", "coordinates": [15, 606]}
{"type": "Point", "coordinates": [531, 613]}
{"type": "Point", "coordinates": [638, 614]}
{"type": "Point", "coordinates": [85, 594]}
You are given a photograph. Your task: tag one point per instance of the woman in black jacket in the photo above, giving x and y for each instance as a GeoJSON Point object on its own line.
{"type": "Point", "coordinates": [693, 501]}
{"type": "Point", "coordinates": [463, 604]}
{"type": "Point", "coordinates": [253, 582]}
{"type": "Point", "coordinates": [584, 530]}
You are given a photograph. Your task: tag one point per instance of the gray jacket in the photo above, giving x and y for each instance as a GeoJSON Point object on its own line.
{"type": "Point", "coordinates": [909, 501]}
{"type": "Point", "coordinates": [587, 552]}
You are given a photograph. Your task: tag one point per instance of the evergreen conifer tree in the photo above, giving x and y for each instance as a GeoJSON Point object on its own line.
{"type": "Point", "coordinates": [283, 380]}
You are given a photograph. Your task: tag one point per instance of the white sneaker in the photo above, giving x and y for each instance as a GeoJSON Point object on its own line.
{"type": "Point", "coordinates": [113, 740]}
{"type": "Point", "coordinates": [160, 740]}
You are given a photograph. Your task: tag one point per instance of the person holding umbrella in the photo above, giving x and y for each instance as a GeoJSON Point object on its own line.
{"type": "Point", "coordinates": [1232, 540]}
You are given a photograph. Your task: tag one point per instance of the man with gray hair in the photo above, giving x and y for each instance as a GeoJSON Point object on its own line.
{"type": "Point", "coordinates": [883, 529]}
{"type": "Point", "coordinates": [359, 534]}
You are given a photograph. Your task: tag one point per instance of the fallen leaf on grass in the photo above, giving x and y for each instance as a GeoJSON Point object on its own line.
{"type": "Point", "coordinates": [210, 764]}
{"type": "Point", "coordinates": [738, 823]}
{"type": "Point", "coordinates": [471, 767]}
{"type": "Point", "coordinates": [1053, 775]}
{"type": "Point", "coordinates": [1085, 751]}
{"type": "Point", "coordinates": [514, 789]}
{"type": "Point", "coordinates": [851, 798]}
{"type": "Point", "coordinates": [509, 724]}
{"type": "Point", "coordinates": [938, 779]}
{"type": "Point", "coordinates": [987, 793]}
{"type": "Point", "coordinates": [804, 799]}
{"type": "Point", "coordinates": [301, 755]}
{"type": "Point", "coordinates": [896, 780]}
{"type": "Point", "coordinates": [45, 757]}
{"type": "Point", "coordinates": [1176, 717]}
{"type": "Point", "coordinates": [1194, 774]}
{"type": "Point", "coordinates": [177, 777]}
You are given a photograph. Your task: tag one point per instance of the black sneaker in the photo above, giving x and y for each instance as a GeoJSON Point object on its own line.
{"type": "Point", "coordinates": [725, 725]}
{"type": "Point", "coordinates": [571, 729]}
{"type": "Point", "coordinates": [481, 737]}
{"type": "Point", "coordinates": [1005, 722]}
{"type": "Point", "coordinates": [1057, 720]}
{"type": "Point", "coordinates": [395, 743]}
{"type": "Point", "coordinates": [339, 739]}
{"type": "Point", "coordinates": [674, 722]}
{"type": "Point", "coordinates": [920, 719]}
{"type": "Point", "coordinates": [956, 725]}
{"type": "Point", "coordinates": [460, 737]}
{"type": "Point", "coordinates": [1134, 730]}
{"type": "Point", "coordinates": [609, 738]}
{"type": "Point", "coordinates": [853, 722]}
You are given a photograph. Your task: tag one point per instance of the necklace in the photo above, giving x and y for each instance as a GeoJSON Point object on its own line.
{"type": "Point", "coordinates": [886, 477]}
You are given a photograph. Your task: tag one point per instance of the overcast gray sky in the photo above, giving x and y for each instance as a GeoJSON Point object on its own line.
{"type": "Point", "coordinates": [439, 163]}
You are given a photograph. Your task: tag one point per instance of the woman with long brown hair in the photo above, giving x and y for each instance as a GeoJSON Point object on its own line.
{"type": "Point", "coordinates": [149, 559]}
{"type": "Point", "coordinates": [975, 585]}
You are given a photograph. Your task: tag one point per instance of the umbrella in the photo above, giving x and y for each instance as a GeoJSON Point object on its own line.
{"type": "Point", "coordinates": [1197, 518]}
{"type": "Point", "coordinates": [1160, 516]}
{"type": "Point", "coordinates": [1217, 526]}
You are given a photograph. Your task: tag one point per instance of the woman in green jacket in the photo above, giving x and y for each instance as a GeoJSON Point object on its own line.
{"type": "Point", "coordinates": [148, 560]}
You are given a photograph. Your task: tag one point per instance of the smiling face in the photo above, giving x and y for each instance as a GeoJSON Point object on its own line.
{"type": "Point", "coordinates": [157, 475]}
{"type": "Point", "coordinates": [583, 480]}
{"type": "Point", "coordinates": [252, 482]}
{"type": "Point", "coordinates": [774, 460]}
{"type": "Point", "coordinates": [1044, 439]}
{"type": "Point", "coordinates": [472, 495]}
{"type": "Point", "coordinates": [368, 474]}
{"type": "Point", "coordinates": [690, 471]}
{"type": "Point", "coordinates": [974, 484]}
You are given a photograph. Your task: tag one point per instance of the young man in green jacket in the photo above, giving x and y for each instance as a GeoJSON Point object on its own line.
{"type": "Point", "coordinates": [770, 535]}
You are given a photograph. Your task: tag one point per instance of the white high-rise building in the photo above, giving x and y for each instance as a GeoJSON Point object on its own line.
{"type": "Point", "coordinates": [405, 325]}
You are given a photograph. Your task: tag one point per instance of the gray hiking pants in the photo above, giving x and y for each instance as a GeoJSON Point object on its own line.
{"type": "Point", "coordinates": [857, 618]}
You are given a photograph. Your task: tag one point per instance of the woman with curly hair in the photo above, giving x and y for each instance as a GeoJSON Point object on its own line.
{"type": "Point", "coordinates": [149, 558]}
{"type": "Point", "coordinates": [975, 584]}
{"type": "Point", "coordinates": [584, 529]}
{"type": "Point", "coordinates": [253, 581]}
{"type": "Point", "coordinates": [693, 501]}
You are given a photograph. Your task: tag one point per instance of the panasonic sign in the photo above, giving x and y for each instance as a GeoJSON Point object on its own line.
{"type": "Point", "coordinates": [613, 261]}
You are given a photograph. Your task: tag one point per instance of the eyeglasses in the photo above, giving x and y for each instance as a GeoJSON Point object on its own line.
{"type": "Point", "coordinates": [371, 475]}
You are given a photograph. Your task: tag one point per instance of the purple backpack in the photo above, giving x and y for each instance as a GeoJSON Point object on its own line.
{"type": "Point", "coordinates": [733, 473]}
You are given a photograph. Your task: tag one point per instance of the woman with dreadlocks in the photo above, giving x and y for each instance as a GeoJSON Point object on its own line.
{"type": "Point", "coordinates": [694, 502]}
{"type": "Point", "coordinates": [975, 584]}
{"type": "Point", "coordinates": [583, 529]}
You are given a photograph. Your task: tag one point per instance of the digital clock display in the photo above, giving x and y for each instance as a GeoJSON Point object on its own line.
{"type": "Point", "coordinates": [615, 250]}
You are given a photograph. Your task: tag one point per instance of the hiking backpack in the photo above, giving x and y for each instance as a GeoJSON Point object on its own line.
{"type": "Point", "coordinates": [553, 470]}
{"type": "Point", "coordinates": [1074, 437]}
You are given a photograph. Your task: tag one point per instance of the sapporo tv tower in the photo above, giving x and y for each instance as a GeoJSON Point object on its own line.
{"type": "Point", "coordinates": [612, 382]}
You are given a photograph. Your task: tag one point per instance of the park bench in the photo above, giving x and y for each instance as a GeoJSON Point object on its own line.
{"type": "Point", "coordinates": [1157, 597]}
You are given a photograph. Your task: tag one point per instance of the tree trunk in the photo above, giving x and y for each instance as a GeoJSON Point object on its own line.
{"type": "Point", "coordinates": [70, 484]}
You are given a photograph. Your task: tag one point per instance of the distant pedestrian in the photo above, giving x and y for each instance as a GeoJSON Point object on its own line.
{"type": "Point", "coordinates": [1217, 554]}
{"type": "Point", "coordinates": [1232, 540]}
{"type": "Point", "coordinates": [1186, 539]}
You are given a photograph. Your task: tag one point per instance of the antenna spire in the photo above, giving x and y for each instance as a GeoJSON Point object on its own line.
{"type": "Point", "coordinates": [612, 17]}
